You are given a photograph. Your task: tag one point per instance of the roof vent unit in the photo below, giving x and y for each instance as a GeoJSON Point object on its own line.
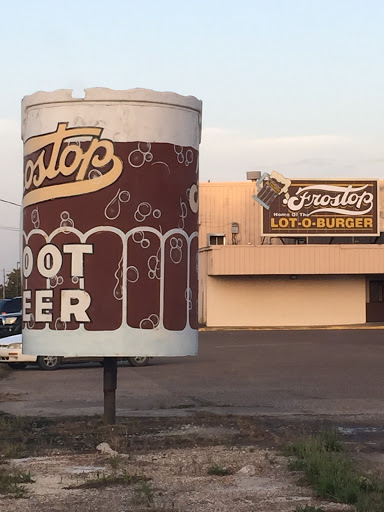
{"type": "Point", "coordinates": [253, 175]}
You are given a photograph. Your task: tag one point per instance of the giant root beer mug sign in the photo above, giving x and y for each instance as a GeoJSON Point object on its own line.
{"type": "Point", "coordinates": [110, 223]}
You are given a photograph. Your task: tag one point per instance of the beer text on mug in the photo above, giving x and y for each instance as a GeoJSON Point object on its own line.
{"type": "Point", "coordinates": [38, 174]}
{"type": "Point", "coordinates": [48, 263]}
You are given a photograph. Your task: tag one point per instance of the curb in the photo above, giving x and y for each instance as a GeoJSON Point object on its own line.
{"type": "Point", "coordinates": [357, 327]}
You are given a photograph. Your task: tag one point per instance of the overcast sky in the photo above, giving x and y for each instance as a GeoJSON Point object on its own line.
{"type": "Point", "coordinates": [291, 85]}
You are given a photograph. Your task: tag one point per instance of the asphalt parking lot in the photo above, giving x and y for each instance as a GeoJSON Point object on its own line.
{"type": "Point", "coordinates": [315, 373]}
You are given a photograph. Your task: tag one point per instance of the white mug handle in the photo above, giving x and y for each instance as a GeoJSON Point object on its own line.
{"type": "Point", "coordinates": [258, 182]}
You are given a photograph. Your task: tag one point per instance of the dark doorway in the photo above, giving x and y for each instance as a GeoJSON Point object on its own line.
{"type": "Point", "coordinates": [375, 300]}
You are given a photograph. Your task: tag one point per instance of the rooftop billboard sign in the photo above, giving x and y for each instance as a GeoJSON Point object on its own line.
{"type": "Point", "coordinates": [341, 207]}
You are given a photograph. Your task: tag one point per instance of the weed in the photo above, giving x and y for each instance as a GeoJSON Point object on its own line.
{"type": "Point", "coordinates": [160, 508]}
{"type": "Point", "coordinates": [271, 458]}
{"type": "Point", "coordinates": [144, 493]}
{"type": "Point", "coordinates": [308, 508]}
{"type": "Point", "coordinates": [12, 423]}
{"type": "Point", "coordinates": [36, 435]}
{"type": "Point", "coordinates": [102, 481]}
{"type": "Point", "coordinates": [183, 406]}
{"type": "Point", "coordinates": [11, 483]}
{"type": "Point", "coordinates": [114, 462]}
{"type": "Point", "coordinates": [219, 470]}
{"type": "Point", "coordinates": [14, 450]}
{"type": "Point", "coordinates": [334, 476]}
{"type": "Point", "coordinates": [330, 441]}
{"type": "Point", "coordinates": [324, 442]}
{"type": "Point", "coordinates": [366, 484]}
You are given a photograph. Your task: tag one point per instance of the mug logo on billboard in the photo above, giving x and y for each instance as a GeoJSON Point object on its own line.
{"type": "Point", "coordinates": [68, 159]}
{"type": "Point", "coordinates": [269, 187]}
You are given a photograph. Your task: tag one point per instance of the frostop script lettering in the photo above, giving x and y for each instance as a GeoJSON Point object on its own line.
{"type": "Point", "coordinates": [332, 199]}
{"type": "Point", "coordinates": [69, 160]}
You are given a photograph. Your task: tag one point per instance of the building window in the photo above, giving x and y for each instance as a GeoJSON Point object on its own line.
{"type": "Point", "coordinates": [216, 239]}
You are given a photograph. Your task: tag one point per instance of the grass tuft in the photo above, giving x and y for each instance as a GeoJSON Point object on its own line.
{"type": "Point", "coordinates": [332, 475]}
{"type": "Point", "coordinates": [308, 508]}
{"type": "Point", "coordinates": [144, 493]}
{"type": "Point", "coordinates": [114, 462]}
{"type": "Point", "coordinates": [102, 481]}
{"type": "Point", "coordinates": [219, 471]}
{"type": "Point", "coordinates": [11, 483]}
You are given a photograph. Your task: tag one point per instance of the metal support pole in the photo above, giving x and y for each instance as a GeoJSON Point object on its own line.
{"type": "Point", "coordinates": [110, 385]}
{"type": "Point", "coordinates": [18, 277]}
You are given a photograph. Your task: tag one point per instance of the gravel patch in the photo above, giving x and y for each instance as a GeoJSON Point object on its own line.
{"type": "Point", "coordinates": [178, 481]}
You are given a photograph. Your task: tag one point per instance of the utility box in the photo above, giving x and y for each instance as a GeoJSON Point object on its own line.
{"type": "Point", "coordinates": [110, 223]}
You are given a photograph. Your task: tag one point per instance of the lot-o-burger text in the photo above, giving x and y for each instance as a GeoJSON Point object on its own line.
{"type": "Point", "coordinates": [306, 222]}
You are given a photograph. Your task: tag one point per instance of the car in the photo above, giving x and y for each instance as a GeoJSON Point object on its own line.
{"type": "Point", "coordinates": [2, 302]}
{"type": "Point", "coordinates": [11, 317]}
{"type": "Point", "coordinates": [11, 353]}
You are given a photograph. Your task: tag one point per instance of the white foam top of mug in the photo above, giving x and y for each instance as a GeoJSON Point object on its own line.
{"type": "Point", "coordinates": [125, 115]}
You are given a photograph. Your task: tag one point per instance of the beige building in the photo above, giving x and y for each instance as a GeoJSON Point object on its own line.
{"type": "Point", "coordinates": [247, 279]}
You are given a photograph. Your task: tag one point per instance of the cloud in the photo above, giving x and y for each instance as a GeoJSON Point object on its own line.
{"type": "Point", "coordinates": [227, 155]}
{"type": "Point", "coordinates": [320, 162]}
